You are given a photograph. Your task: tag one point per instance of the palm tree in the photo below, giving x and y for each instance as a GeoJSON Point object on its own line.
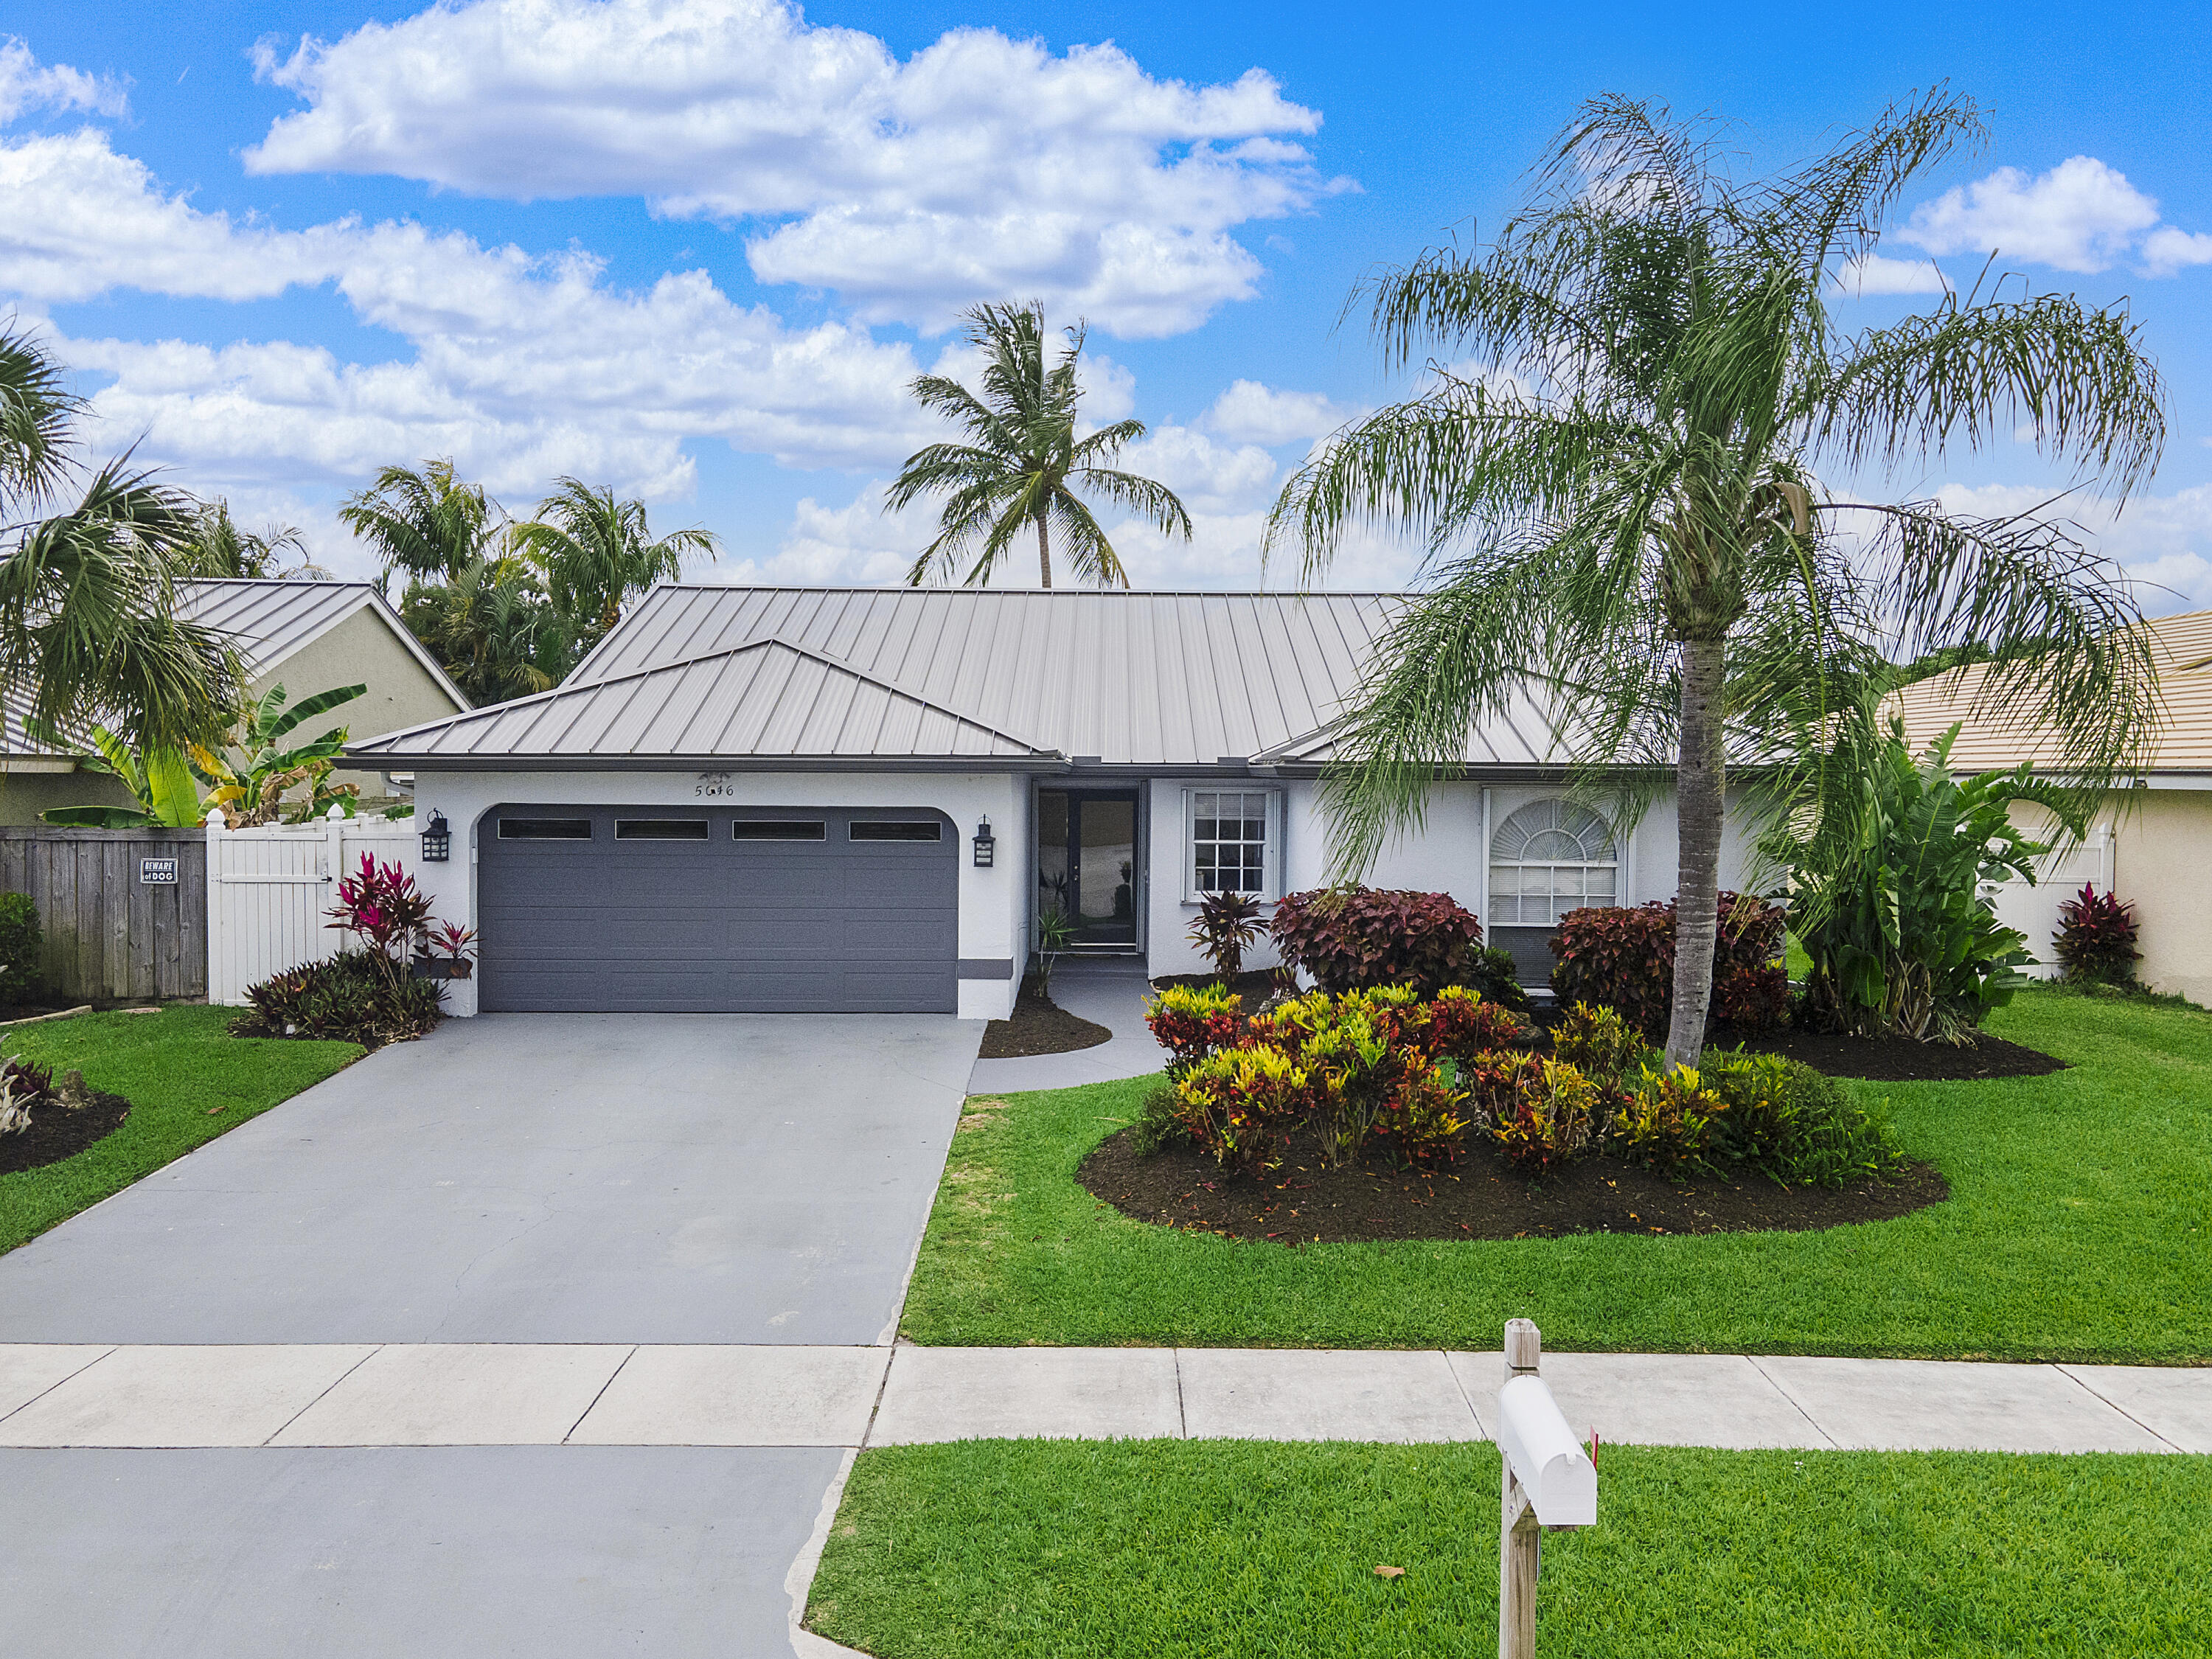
{"type": "Point", "coordinates": [598, 553]}
{"type": "Point", "coordinates": [492, 627]}
{"type": "Point", "coordinates": [427, 522]}
{"type": "Point", "coordinates": [1621, 490]}
{"type": "Point", "coordinates": [88, 630]}
{"type": "Point", "coordinates": [218, 548]}
{"type": "Point", "coordinates": [1025, 462]}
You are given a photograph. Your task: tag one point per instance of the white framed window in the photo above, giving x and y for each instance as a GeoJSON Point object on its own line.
{"type": "Point", "coordinates": [1232, 842]}
{"type": "Point", "coordinates": [1550, 857]}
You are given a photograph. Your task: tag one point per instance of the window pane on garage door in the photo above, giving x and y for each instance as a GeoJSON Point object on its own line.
{"type": "Point", "coordinates": [729, 923]}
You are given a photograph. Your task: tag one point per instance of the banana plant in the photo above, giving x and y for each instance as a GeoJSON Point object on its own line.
{"type": "Point", "coordinates": [168, 793]}
{"type": "Point", "coordinates": [252, 789]}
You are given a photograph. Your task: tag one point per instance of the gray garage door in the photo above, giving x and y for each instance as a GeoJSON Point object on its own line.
{"type": "Point", "coordinates": [716, 910]}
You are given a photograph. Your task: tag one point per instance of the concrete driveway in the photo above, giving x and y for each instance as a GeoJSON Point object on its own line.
{"type": "Point", "coordinates": [537, 1178]}
{"type": "Point", "coordinates": [513, 1179]}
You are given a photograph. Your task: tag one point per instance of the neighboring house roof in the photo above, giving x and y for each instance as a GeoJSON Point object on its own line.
{"type": "Point", "coordinates": [1139, 680]}
{"type": "Point", "coordinates": [267, 622]}
{"type": "Point", "coordinates": [2182, 649]}
{"type": "Point", "coordinates": [768, 698]}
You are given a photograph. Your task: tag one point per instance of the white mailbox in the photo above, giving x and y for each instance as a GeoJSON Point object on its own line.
{"type": "Point", "coordinates": [1551, 1465]}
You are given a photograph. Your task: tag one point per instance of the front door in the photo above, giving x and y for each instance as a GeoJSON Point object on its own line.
{"type": "Point", "coordinates": [1086, 863]}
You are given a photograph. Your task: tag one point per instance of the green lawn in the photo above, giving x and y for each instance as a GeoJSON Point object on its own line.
{"type": "Point", "coordinates": [2079, 1227]}
{"type": "Point", "coordinates": [173, 1067]}
{"type": "Point", "coordinates": [1220, 1549]}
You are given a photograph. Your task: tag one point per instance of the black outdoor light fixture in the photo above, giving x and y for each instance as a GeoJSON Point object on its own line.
{"type": "Point", "coordinates": [437, 840]}
{"type": "Point", "coordinates": [987, 849]}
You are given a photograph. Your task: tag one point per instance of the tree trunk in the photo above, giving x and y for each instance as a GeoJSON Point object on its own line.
{"type": "Point", "coordinates": [1044, 555]}
{"type": "Point", "coordinates": [1699, 795]}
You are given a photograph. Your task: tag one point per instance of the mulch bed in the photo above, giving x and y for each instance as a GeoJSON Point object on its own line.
{"type": "Point", "coordinates": [1898, 1059]}
{"type": "Point", "coordinates": [57, 1132]}
{"type": "Point", "coordinates": [1304, 1201]}
{"type": "Point", "coordinates": [1039, 1026]}
{"type": "Point", "coordinates": [1255, 987]}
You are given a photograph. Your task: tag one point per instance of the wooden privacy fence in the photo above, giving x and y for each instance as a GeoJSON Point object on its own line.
{"type": "Point", "coordinates": [268, 890]}
{"type": "Point", "coordinates": [124, 911]}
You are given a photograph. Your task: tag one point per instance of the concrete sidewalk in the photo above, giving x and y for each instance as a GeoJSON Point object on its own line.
{"type": "Point", "coordinates": [1108, 991]}
{"type": "Point", "coordinates": [345, 1395]}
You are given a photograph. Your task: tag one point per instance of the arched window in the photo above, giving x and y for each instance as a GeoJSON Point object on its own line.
{"type": "Point", "coordinates": [1547, 859]}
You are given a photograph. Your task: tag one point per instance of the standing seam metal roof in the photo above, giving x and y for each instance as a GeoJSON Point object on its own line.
{"type": "Point", "coordinates": [767, 697]}
{"type": "Point", "coordinates": [1145, 679]}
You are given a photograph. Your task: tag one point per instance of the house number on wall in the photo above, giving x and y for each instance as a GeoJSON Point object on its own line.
{"type": "Point", "coordinates": [715, 784]}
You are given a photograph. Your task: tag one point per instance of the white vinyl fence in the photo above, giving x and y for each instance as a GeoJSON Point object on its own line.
{"type": "Point", "coordinates": [268, 890]}
{"type": "Point", "coordinates": [2035, 910]}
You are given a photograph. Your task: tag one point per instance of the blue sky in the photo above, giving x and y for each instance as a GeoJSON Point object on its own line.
{"type": "Point", "coordinates": [694, 248]}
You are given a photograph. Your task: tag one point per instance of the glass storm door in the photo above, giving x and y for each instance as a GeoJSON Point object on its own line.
{"type": "Point", "coordinates": [1086, 863]}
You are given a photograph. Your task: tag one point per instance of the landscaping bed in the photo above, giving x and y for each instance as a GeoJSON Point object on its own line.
{"type": "Point", "coordinates": [1898, 1059]}
{"type": "Point", "coordinates": [1039, 1026]}
{"type": "Point", "coordinates": [1305, 1201]}
{"type": "Point", "coordinates": [1192, 1550]}
{"type": "Point", "coordinates": [2076, 1231]}
{"type": "Point", "coordinates": [57, 1131]}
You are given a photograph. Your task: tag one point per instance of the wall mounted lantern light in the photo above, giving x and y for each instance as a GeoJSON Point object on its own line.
{"type": "Point", "coordinates": [986, 848]}
{"type": "Point", "coordinates": [437, 840]}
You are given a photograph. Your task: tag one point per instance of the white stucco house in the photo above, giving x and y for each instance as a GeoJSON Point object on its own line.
{"type": "Point", "coordinates": [753, 799]}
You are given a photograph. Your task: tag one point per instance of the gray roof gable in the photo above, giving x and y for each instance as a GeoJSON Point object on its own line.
{"type": "Point", "coordinates": [766, 699]}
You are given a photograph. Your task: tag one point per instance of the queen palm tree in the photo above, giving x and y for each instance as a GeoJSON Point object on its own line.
{"type": "Point", "coordinates": [1631, 485]}
{"type": "Point", "coordinates": [218, 548]}
{"type": "Point", "coordinates": [598, 553]}
{"type": "Point", "coordinates": [89, 629]}
{"type": "Point", "coordinates": [1023, 463]}
{"type": "Point", "coordinates": [426, 522]}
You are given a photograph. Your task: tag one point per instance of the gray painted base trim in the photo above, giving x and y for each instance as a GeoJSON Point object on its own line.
{"type": "Point", "coordinates": [986, 967]}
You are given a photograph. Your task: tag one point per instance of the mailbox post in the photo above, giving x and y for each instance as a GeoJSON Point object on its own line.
{"type": "Point", "coordinates": [1548, 1480]}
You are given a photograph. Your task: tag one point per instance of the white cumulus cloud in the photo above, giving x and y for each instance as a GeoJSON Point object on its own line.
{"type": "Point", "coordinates": [2081, 215]}
{"type": "Point", "coordinates": [26, 85]}
{"type": "Point", "coordinates": [980, 167]}
{"type": "Point", "coordinates": [1253, 413]}
{"type": "Point", "coordinates": [2160, 541]}
{"type": "Point", "coordinates": [524, 366]}
{"type": "Point", "coordinates": [1872, 273]}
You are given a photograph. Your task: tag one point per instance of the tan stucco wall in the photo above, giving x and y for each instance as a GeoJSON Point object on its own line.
{"type": "Point", "coordinates": [24, 795]}
{"type": "Point", "coordinates": [2162, 862]}
{"type": "Point", "coordinates": [2162, 865]}
{"type": "Point", "coordinates": [362, 650]}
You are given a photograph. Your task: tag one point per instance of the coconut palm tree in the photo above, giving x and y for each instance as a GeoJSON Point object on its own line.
{"type": "Point", "coordinates": [218, 548]}
{"type": "Point", "coordinates": [89, 629]}
{"type": "Point", "coordinates": [426, 522]}
{"type": "Point", "coordinates": [1630, 466]}
{"type": "Point", "coordinates": [598, 553]}
{"type": "Point", "coordinates": [1023, 463]}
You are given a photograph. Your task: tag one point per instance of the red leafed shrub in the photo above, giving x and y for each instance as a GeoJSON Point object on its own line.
{"type": "Point", "coordinates": [1551, 1120]}
{"type": "Point", "coordinates": [1461, 1025]}
{"type": "Point", "coordinates": [1423, 1119]}
{"type": "Point", "coordinates": [380, 904]}
{"type": "Point", "coordinates": [1348, 937]}
{"type": "Point", "coordinates": [1193, 1021]}
{"type": "Point", "coordinates": [1239, 1104]}
{"type": "Point", "coordinates": [1624, 959]}
{"type": "Point", "coordinates": [2096, 939]}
